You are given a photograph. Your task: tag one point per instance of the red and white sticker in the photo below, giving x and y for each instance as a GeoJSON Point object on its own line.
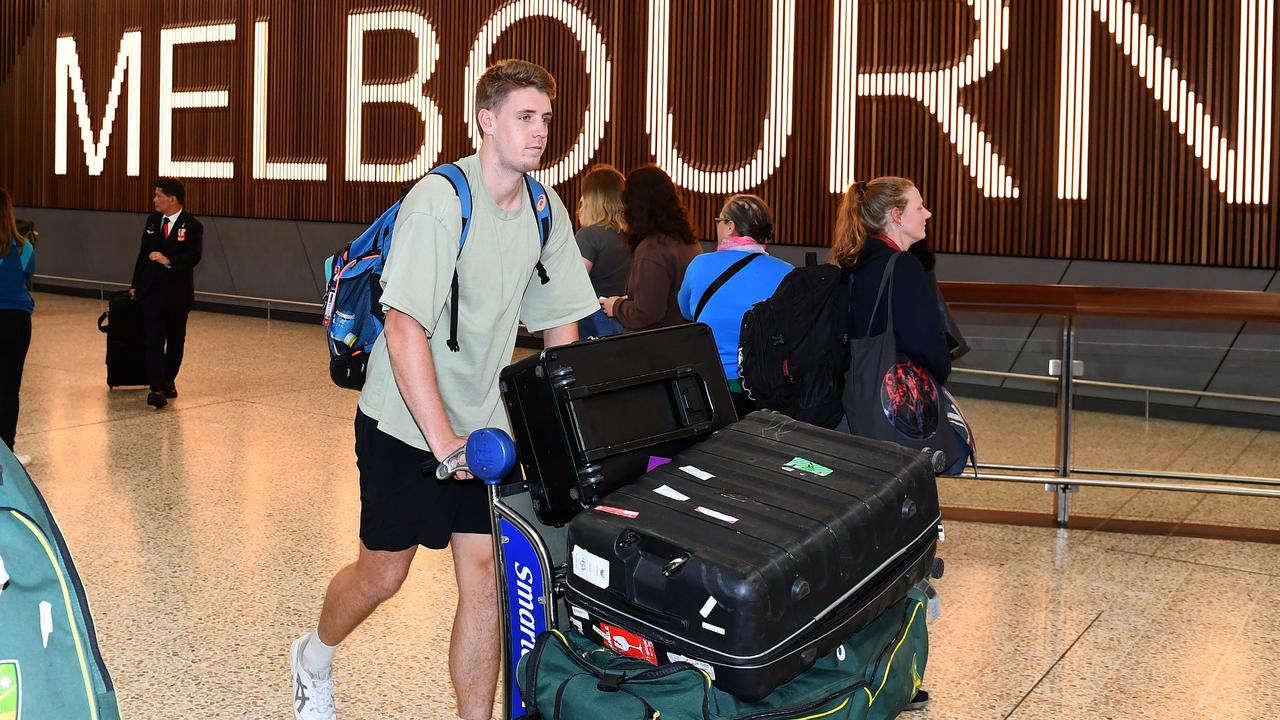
{"type": "Point", "coordinates": [632, 514]}
{"type": "Point", "coordinates": [628, 643]}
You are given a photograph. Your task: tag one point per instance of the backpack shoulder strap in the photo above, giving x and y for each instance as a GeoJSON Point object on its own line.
{"type": "Point", "coordinates": [462, 188]}
{"type": "Point", "coordinates": [541, 204]}
{"type": "Point", "coordinates": [719, 282]}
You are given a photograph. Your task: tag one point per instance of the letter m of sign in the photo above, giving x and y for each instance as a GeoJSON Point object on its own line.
{"type": "Point", "coordinates": [67, 70]}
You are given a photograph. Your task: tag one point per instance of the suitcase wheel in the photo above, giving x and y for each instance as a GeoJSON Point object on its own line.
{"type": "Point", "coordinates": [799, 589]}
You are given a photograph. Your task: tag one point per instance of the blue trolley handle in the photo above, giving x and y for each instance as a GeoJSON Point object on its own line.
{"type": "Point", "coordinates": [490, 454]}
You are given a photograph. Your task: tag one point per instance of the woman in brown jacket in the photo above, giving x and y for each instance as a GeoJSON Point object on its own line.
{"type": "Point", "coordinates": [660, 233]}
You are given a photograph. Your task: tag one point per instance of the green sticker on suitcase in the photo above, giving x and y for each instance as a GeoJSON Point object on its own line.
{"type": "Point", "coordinates": [807, 466]}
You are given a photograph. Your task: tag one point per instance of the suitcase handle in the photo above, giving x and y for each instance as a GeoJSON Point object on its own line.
{"type": "Point", "coordinates": [577, 392]}
{"type": "Point", "coordinates": [102, 326]}
{"type": "Point", "coordinates": [690, 426]}
{"type": "Point", "coordinates": [647, 441]}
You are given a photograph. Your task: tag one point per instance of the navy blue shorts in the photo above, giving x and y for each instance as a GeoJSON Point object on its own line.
{"type": "Point", "coordinates": [402, 504]}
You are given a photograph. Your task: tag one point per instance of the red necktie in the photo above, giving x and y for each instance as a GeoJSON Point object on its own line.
{"type": "Point", "coordinates": [166, 228]}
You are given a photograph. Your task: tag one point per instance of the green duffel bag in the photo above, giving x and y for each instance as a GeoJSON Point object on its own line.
{"type": "Point", "coordinates": [50, 668]}
{"type": "Point", "coordinates": [872, 676]}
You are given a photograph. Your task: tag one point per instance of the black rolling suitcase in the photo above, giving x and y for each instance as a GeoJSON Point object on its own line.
{"type": "Point", "coordinates": [587, 417]}
{"type": "Point", "coordinates": [755, 551]}
{"type": "Point", "coordinates": [126, 342]}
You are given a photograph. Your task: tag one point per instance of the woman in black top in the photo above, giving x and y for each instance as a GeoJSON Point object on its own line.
{"type": "Point", "coordinates": [876, 220]}
{"type": "Point", "coordinates": [601, 217]}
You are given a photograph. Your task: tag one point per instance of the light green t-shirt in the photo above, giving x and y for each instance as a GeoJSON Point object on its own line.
{"type": "Point", "coordinates": [498, 288]}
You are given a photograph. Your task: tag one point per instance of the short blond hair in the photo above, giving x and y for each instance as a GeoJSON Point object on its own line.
{"type": "Point", "coordinates": [601, 202]}
{"type": "Point", "coordinates": [506, 76]}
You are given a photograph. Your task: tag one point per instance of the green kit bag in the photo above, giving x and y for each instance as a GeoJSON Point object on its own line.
{"type": "Point", "coordinates": [50, 667]}
{"type": "Point", "coordinates": [872, 676]}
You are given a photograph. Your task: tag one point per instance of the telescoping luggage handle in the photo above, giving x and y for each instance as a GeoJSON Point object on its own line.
{"type": "Point", "coordinates": [692, 422]}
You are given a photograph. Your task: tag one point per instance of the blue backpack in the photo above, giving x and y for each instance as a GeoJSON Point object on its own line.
{"type": "Point", "coordinates": [352, 309]}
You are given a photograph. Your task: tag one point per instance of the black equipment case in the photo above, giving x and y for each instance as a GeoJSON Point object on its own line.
{"type": "Point", "coordinates": [126, 341]}
{"type": "Point", "coordinates": [755, 551]}
{"type": "Point", "coordinates": [588, 416]}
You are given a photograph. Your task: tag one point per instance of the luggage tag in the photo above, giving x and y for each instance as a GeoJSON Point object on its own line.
{"type": "Point", "coordinates": [656, 462]}
{"type": "Point", "coordinates": [590, 567]}
{"type": "Point", "coordinates": [807, 466]}
{"type": "Point", "coordinates": [620, 512]}
{"type": "Point", "coordinates": [703, 666]}
{"type": "Point", "coordinates": [625, 642]}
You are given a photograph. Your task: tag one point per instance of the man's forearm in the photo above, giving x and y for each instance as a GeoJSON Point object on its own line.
{"type": "Point", "coordinates": [560, 335]}
{"type": "Point", "coordinates": [415, 374]}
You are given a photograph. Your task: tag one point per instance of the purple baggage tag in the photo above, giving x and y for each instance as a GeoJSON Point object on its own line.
{"type": "Point", "coordinates": [656, 462]}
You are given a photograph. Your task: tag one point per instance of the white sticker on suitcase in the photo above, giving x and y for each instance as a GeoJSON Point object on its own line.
{"type": "Point", "coordinates": [579, 612]}
{"type": "Point", "coordinates": [591, 567]}
{"type": "Point", "coordinates": [708, 606]}
{"type": "Point", "coordinates": [668, 491]}
{"type": "Point", "coordinates": [713, 628]}
{"type": "Point", "coordinates": [716, 514]}
{"type": "Point", "coordinates": [704, 667]}
{"type": "Point", "coordinates": [700, 474]}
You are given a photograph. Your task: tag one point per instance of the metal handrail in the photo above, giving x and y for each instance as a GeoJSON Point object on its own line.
{"type": "Point", "coordinates": [1120, 386]}
{"type": "Point", "coordinates": [202, 293]}
{"type": "Point", "coordinates": [997, 373]}
{"type": "Point", "coordinates": [1057, 483]}
{"type": "Point", "coordinates": [1179, 391]}
{"type": "Point", "coordinates": [1204, 477]}
{"type": "Point", "coordinates": [1069, 302]}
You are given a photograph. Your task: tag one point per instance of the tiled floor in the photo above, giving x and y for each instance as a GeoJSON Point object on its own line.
{"type": "Point", "coordinates": [206, 533]}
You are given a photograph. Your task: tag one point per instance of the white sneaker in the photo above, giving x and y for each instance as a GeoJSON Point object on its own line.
{"type": "Point", "coordinates": [312, 694]}
{"type": "Point", "coordinates": [22, 458]}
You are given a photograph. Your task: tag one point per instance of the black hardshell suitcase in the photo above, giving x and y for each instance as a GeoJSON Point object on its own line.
{"type": "Point", "coordinates": [126, 342]}
{"type": "Point", "coordinates": [588, 416]}
{"type": "Point", "coordinates": [755, 551]}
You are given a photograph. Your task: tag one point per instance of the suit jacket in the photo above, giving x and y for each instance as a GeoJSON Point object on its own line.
{"type": "Point", "coordinates": [183, 247]}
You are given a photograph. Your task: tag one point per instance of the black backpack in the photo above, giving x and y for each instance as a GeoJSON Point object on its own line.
{"type": "Point", "coordinates": [794, 347]}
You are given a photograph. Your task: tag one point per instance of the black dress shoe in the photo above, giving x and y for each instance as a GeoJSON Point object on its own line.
{"type": "Point", "coordinates": [918, 702]}
{"type": "Point", "coordinates": [155, 399]}
{"type": "Point", "coordinates": [171, 392]}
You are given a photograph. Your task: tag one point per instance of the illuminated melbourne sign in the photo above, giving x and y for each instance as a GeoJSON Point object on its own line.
{"type": "Point", "coordinates": [1239, 164]}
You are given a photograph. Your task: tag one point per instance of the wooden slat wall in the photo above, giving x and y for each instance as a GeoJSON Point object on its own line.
{"type": "Point", "coordinates": [1149, 200]}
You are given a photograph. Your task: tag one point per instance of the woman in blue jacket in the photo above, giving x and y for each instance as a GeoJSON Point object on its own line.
{"type": "Point", "coordinates": [17, 265]}
{"type": "Point", "coordinates": [743, 227]}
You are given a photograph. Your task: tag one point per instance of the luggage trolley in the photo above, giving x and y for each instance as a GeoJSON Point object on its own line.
{"type": "Point", "coordinates": [523, 556]}
{"type": "Point", "coordinates": [670, 386]}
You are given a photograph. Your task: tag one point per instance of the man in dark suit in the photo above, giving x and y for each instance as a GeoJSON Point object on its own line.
{"type": "Point", "coordinates": [163, 284]}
